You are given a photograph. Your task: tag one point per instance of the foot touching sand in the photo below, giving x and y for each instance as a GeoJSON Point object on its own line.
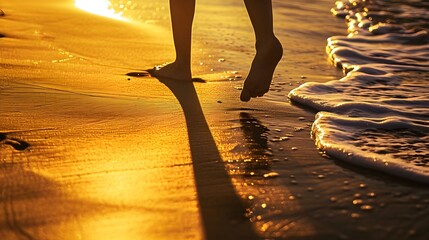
{"type": "Point", "coordinates": [261, 73]}
{"type": "Point", "coordinates": [173, 71]}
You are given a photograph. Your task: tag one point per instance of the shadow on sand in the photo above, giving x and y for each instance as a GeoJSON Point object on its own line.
{"type": "Point", "coordinates": [222, 211]}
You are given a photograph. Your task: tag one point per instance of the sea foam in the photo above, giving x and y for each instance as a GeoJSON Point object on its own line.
{"type": "Point", "coordinates": [377, 115]}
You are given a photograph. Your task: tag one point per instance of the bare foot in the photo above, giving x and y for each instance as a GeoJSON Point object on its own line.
{"type": "Point", "coordinates": [172, 71]}
{"type": "Point", "coordinates": [261, 73]}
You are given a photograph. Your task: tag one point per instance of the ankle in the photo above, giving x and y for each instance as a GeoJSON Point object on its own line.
{"type": "Point", "coordinates": [180, 64]}
{"type": "Point", "coordinates": [264, 41]}
{"type": "Point", "coordinates": [270, 49]}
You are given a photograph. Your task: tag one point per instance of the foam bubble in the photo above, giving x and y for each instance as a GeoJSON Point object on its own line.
{"type": "Point", "coordinates": [377, 115]}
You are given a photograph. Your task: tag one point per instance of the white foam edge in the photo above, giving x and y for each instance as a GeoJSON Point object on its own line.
{"type": "Point", "coordinates": [353, 155]}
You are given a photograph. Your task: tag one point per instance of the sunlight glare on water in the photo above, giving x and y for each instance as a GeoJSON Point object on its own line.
{"type": "Point", "coordinates": [99, 7]}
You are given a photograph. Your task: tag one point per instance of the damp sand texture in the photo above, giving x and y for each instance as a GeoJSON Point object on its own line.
{"type": "Point", "coordinates": [89, 152]}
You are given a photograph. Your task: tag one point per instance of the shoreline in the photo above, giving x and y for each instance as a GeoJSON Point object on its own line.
{"type": "Point", "coordinates": [118, 156]}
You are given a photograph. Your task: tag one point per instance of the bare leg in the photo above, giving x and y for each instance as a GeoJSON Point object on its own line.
{"type": "Point", "coordinates": [182, 15]}
{"type": "Point", "coordinates": [269, 50]}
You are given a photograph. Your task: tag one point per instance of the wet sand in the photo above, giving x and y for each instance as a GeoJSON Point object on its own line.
{"type": "Point", "coordinates": [88, 152]}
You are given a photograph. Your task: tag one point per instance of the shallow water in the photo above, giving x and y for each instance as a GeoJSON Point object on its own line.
{"type": "Point", "coordinates": [379, 111]}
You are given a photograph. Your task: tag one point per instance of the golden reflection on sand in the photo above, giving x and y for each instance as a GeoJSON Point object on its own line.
{"type": "Point", "coordinates": [120, 225]}
{"type": "Point", "coordinates": [99, 7]}
{"type": "Point", "coordinates": [136, 181]}
{"type": "Point", "coordinates": [255, 180]}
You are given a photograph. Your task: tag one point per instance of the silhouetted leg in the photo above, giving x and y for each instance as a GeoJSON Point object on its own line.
{"type": "Point", "coordinates": [182, 15]}
{"type": "Point", "coordinates": [269, 50]}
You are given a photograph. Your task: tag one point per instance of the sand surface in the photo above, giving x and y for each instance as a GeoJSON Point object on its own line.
{"type": "Point", "coordinates": [87, 152]}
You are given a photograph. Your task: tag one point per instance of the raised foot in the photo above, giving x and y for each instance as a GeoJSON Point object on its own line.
{"type": "Point", "coordinates": [261, 73]}
{"type": "Point", "coordinates": [172, 71]}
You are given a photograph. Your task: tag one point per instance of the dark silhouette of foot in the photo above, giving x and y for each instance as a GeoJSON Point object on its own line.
{"type": "Point", "coordinates": [261, 73]}
{"type": "Point", "coordinates": [172, 71]}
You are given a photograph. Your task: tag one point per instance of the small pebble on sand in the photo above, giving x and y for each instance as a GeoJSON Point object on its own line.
{"type": "Point", "coordinates": [271, 175]}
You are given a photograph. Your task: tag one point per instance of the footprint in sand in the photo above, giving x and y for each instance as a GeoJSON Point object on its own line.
{"type": "Point", "coordinates": [17, 144]}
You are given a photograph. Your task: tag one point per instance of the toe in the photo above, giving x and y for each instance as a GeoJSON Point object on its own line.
{"type": "Point", "coordinates": [254, 95]}
{"type": "Point", "coordinates": [151, 71]}
{"type": "Point", "coordinates": [261, 93]}
{"type": "Point", "coordinates": [245, 95]}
